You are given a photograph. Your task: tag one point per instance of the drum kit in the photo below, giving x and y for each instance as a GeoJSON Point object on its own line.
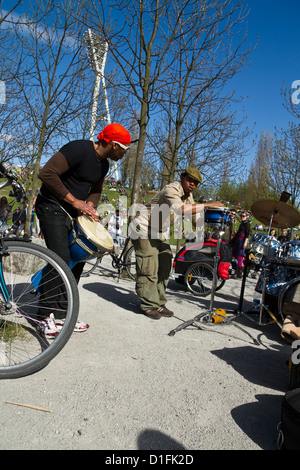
{"type": "Point", "coordinates": [279, 263]}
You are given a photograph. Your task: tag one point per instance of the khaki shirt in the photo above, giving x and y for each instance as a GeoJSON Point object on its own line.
{"type": "Point", "coordinates": [157, 216]}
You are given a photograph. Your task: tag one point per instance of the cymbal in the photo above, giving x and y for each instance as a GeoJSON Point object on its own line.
{"type": "Point", "coordinates": [284, 215]}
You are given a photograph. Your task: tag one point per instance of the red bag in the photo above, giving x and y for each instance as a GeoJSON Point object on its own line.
{"type": "Point", "coordinates": [223, 270]}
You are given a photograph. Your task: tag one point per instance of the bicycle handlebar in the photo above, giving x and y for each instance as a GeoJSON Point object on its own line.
{"type": "Point", "coordinates": [12, 180]}
{"type": "Point", "coordinates": [8, 174]}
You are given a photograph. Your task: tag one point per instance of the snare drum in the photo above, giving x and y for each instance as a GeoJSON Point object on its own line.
{"type": "Point", "coordinates": [216, 215]}
{"type": "Point", "coordinates": [88, 239]}
{"type": "Point", "coordinates": [291, 251]}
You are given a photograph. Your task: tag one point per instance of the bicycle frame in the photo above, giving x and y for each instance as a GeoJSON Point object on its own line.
{"type": "Point", "coordinates": [3, 287]}
{"type": "Point", "coordinates": [117, 261]}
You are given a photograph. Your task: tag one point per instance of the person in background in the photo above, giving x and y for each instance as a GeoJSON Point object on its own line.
{"type": "Point", "coordinates": [115, 228]}
{"type": "Point", "coordinates": [19, 219]}
{"type": "Point", "coordinates": [284, 236]}
{"type": "Point", "coordinates": [240, 244]}
{"type": "Point", "coordinates": [5, 213]}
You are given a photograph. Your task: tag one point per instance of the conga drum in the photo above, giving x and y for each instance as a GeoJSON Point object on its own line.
{"type": "Point", "coordinates": [88, 239]}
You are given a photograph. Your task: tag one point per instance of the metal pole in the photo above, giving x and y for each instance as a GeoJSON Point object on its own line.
{"type": "Point", "coordinates": [97, 49]}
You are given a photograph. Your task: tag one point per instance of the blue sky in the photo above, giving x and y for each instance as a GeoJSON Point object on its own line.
{"type": "Point", "coordinates": [275, 61]}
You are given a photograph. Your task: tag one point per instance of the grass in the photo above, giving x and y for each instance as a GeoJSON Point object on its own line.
{"type": "Point", "coordinates": [9, 331]}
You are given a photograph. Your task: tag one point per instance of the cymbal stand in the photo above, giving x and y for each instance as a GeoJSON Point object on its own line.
{"type": "Point", "coordinates": [262, 306]}
{"type": "Point", "coordinates": [207, 316]}
{"type": "Point", "coordinates": [265, 269]}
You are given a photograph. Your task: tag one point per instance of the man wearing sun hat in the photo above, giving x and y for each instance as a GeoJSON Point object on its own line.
{"type": "Point", "coordinates": [152, 247]}
{"type": "Point", "coordinates": [72, 184]}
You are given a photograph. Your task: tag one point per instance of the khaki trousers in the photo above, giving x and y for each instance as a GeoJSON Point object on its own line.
{"type": "Point", "coordinates": [153, 267]}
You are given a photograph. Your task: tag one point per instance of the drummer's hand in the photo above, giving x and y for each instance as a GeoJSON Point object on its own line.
{"type": "Point", "coordinates": [213, 204]}
{"type": "Point", "coordinates": [87, 209]}
{"type": "Point", "coordinates": [92, 211]}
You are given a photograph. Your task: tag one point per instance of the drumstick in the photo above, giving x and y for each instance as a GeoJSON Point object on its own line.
{"type": "Point", "coordinates": [29, 406]}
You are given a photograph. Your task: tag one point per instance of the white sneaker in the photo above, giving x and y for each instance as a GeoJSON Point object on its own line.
{"type": "Point", "coordinates": [79, 325]}
{"type": "Point", "coordinates": [47, 327]}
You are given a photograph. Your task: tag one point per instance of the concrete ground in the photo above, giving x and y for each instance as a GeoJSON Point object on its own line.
{"type": "Point", "coordinates": [126, 384]}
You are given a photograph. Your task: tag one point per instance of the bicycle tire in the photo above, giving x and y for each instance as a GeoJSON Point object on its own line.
{"type": "Point", "coordinates": [199, 279]}
{"type": "Point", "coordinates": [23, 349]}
{"type": "Point", "coordinates": [130, 264]}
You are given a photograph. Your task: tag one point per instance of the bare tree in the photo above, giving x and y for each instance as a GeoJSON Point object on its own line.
{"type": "Point", "coordinates": [201, 128]}
{"type": "Point", "coordinates": [5, 15]}
{"type": "Point", "coordinates": [54, 79]}
{"type": "Point", "coordinates": [174, 57]}
{"type": "Point", "coordinates": [285, 164]}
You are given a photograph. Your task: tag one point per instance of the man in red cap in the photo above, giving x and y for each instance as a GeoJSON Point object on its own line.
{"type": "Point", "coordinates": [72, 184]}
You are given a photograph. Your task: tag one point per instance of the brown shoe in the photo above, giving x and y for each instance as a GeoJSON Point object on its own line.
{"type": "Point", "coordinates": [165, 312]}
{"type": "Point", "coordinates": [153, 313]}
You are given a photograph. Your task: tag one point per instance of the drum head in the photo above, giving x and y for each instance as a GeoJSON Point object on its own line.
{"type": "Point", "coordinates": [95, 232]}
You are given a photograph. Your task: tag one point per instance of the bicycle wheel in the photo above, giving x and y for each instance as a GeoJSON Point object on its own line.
{"type": "Point", "coordinates": [199, 279]}
{"type": "Point", "coordinates": [90, 266]}
{"type": "Point", "coordinates": [129, 263]}
{"type": "Point", "coordinates": [23, 349]}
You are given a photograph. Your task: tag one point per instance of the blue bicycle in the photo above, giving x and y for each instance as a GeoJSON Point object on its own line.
{"type": "Point", "coordinates": [24, 346]}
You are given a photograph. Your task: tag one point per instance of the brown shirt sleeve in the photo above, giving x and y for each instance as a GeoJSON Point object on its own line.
{"type": "Point", "coordinates": [50, 175]}
{"type": "Point", "coordinates": [95, 193]}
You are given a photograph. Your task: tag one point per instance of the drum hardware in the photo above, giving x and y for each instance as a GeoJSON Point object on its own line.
{"type": "Point", "coordinates": [262, 306]}
{"type": "Point", "coordinates": [277, 214]}
{"type": "Point", "coordinates": [210, 316]}
{"type": "Point", "coordinates": [266, 262]}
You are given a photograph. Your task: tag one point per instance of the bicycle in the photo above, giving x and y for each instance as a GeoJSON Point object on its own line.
{"type": "Point", "coordinates": [29, 276]}
{"type": "Point", "coordinates": [126, 259]}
